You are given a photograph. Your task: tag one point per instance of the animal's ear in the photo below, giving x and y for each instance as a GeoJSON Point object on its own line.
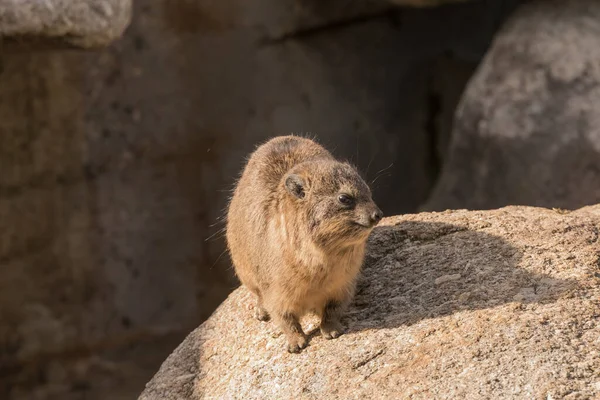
{"type": "Point", "coordinates": [296, 186]}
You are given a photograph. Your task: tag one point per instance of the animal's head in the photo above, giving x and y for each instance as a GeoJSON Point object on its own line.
{"type": "Point", "coordinates": [335, 200]}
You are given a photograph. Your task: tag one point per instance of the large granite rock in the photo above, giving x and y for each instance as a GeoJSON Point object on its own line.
{"type": "Point", "coordinates": [527, 130]}
{"type": "Point", "coordinates": [470, 305]}
{"type": "Point", "coordinates": [82, 23]}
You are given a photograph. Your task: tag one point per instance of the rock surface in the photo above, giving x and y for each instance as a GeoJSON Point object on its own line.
{"type": "Point", "coordinates": [83, 23]}
{"type": "Point", "coordinates": [527, 129]}
{"type": "Point", "coordinates": [470, 305]}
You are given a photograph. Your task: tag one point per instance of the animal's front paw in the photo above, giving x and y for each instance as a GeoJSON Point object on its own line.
{"type": "Point", "coordinates": [261, 314]}
{"type": "Point", "coordinates": [296, 343]}
{"type": "Point", "coordinates": [331, 330]}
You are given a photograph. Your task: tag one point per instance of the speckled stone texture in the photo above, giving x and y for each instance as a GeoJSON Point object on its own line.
{"type": "Point", "coordinates": [527, 130]}
{"type": "Point", "coordinates": [81, 23]}
{"type": "Point", "coordinates": [459, 304]}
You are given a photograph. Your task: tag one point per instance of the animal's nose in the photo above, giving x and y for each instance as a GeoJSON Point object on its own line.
{"type": "Point", "coordinates": [376, 215]}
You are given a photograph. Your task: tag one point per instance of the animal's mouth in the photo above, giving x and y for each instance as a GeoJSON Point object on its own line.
{"type": "Point", "coordinates": [363, 225]}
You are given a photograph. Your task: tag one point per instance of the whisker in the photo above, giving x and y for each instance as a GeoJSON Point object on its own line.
{"type": "Point", "coordinates": [386, 168]}
{"type": "Point", "coordinates": [218, 258]}
{"type": "Point", "coordinates": [215, 224]}
{"type": "Point", "coordinates": [379, 176]}
{"type": "Point", "coordinates": [369, 165]}
{"type": "Point", "coordinates": [220, 231]}
{"type": "Point", "coordinates": [357, 153]}
{"type": "Point", "coordinates": [380, 173]}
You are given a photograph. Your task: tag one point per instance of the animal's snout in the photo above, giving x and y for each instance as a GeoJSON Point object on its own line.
{"type": "Point", "coordinates": [376, 215]}
{"type": "Point", "coordinates": [370, 216]}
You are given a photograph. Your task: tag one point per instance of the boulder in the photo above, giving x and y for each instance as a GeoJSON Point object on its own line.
{"type": "Point", "coordinates": [458, 304]}
{"type": "Point", "coordinates": [527, 129]}
{"type": "Point", "coordinates": [81, 23]}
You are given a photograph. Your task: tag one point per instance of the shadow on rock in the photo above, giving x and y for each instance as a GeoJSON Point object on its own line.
{"type": "Point", "coordinates": [420, 270]}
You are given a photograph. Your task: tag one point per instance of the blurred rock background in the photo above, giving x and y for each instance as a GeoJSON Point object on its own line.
{"type": "Point", "coordinates": [116, 159]}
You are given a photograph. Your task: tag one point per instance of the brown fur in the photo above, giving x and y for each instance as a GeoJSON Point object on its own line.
{"type": "Point", "coordinates": [292, 241]}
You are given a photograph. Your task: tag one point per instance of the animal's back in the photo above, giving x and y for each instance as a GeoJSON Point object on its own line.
{"type": "Point", "coordinates": [273, 159]}
{"type": "Point", "coordinates": [254, 200]}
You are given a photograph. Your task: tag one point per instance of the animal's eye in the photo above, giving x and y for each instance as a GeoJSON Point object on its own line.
{"type": "Point", "coordinates": [345, 199]}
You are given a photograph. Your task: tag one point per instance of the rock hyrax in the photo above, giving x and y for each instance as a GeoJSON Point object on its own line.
{"type": "Point", "coordinates": [297, 227]}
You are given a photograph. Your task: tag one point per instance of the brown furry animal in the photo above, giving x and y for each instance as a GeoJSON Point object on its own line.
{"type": "Point", "coordinates": [297, 227]}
